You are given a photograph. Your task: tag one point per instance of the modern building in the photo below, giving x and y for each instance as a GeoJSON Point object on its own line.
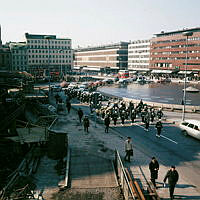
{"type": "Point", "coordinates": [139, 55]}
{"type": "Point", "coordinates": [49, 53]}
{"type": "Point", "coordinates": [168, 52]}
{"type": "Point", "coordinates": [106, 58]}
{"type": "Point", "coordinates": [19, 56]}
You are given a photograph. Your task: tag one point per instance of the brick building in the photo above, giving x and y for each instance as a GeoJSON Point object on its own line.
{"type": "Point", "coordinates": [168, 52]}
{"type": "Point", "coordinates": [107, 58]}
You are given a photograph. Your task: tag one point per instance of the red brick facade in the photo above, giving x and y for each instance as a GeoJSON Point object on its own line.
{"type": "Point", "coordinates": [168, 51]}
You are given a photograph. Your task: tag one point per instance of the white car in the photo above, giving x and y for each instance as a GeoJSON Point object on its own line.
{"type": "Point", "coordinates": [191, 127]}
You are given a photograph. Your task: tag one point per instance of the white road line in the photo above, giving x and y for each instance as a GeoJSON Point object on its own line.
{"type": "Point", "coordinates": [160, 135]}
{"type": "Point", "coordinates": [169, 139]}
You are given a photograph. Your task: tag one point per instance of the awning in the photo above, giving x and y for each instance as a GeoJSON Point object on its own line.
{"type": "Point", "coordinates": [92, 69]}
{"type": "Point", "coordinates": [158, 71]}
{"type": "Point", "coordinates": [183, 72]}
{"type": "Point", "coordinates": [140, 69]}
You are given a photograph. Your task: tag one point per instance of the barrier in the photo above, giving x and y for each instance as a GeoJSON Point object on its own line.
{"type": "Point", "coordinates": [123, 179]}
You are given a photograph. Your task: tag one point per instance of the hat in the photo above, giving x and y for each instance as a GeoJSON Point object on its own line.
{"type": "Point", "coordinates": [173, 167]}
{"type": "Point", "coordinates": [153, 158]}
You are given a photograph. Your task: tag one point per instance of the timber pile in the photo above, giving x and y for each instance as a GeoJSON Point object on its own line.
{"type": "Point", "coordinates": [20, 184]}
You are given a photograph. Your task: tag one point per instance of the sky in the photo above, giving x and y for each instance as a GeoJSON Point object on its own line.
{"type": "Point", "coordinates": [96, 22]}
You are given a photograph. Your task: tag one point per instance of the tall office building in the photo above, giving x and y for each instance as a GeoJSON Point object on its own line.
{"type": "Point", "coordinates": [105, 58]}
{"type": "Point", "coordinates": [47, 52]}
{"type": "Point", "coordinates": [139, 55]}
{"type": "Point", "coordinates": [168, 51]}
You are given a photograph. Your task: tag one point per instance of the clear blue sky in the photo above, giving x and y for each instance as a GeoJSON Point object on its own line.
{"type": "Point", "coordinates": [95, 22]}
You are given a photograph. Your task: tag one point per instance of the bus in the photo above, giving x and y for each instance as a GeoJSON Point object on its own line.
{"type": "Point", "coordinates": [123, 74]}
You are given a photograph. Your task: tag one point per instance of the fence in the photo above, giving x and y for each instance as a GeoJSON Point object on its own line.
{"type": "Point", "coordinates": [123, 179]}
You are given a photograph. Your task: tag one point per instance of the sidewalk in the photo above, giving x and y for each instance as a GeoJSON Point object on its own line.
{"type": "Point", "coordinates": [140, 165]}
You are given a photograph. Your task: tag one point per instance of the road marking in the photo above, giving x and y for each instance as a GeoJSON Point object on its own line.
{"type": "Point", "coordinates": [160, 135]}
{"type": "Point", "coordinates": [169, 139]}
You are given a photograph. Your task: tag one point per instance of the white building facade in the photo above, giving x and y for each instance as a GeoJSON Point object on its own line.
{"type": "Point", "coordinates": [46, 52]}
{"type": "Point", "coordinates": [139, 55]}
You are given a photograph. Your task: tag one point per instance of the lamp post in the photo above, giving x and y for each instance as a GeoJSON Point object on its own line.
{"type": "Point", "coordinates": [187, 34]}
{"type": "Point", "coordinates": [47, 37]}
{"type": "Point", "coordinates": [61, 72]}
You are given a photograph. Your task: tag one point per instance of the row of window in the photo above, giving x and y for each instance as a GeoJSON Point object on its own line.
{"type": "Point", "coordinates": [50, 41]}
{"type": "Point", "coordinates": [50, 56]}
{"type": "Point", "coordinates": [138, 56]}
{"type": "Point", "coordinates": [138, 47]}
{"type": "Point", "coordinates": [177, 40]}
{"type": "Point", "coordinates": [50, 61]}
{"type": "Point", "coordinates": [176, 58]}
{"type": "Point", "coordinates": [19, 63]}
{"type": "Point", "coordinates": [175, 52]}
{"type": "Point", "coordinates": [48, 47]}
{"type": "Point", "coordinates": [42, 51]}
{"type": "Point", "coordinates": [177, 46]}
{"type": "Point", "coordinates": [138, 61]}
{"type": "Point", "coordinates": [139, 51]}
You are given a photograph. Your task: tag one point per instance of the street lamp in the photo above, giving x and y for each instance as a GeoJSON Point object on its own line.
{"type": "Point", "coordinates": [47, 37]}
{"type": "Point", "coordinates": [61, 72]}
{"type": "Point", "coordinates": [187, 34]}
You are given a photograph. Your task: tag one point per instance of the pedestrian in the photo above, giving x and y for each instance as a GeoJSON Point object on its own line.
{"type": "Point", "coordinates": [159, 113]}
{"type": "Point", "coordinates": [128, 149]}
{"type": "Point", "coordinates": [68, 104]}
{"type": "Point", "coordinates": [147, 121]}
{"type": "Point", "coordinates": [107, 123]}
{"type": "Point", "coordinates": [159, 127]}
{"type": "Point", "coordinates": [80, 114]}
{"type": "Point", "coordinates": [172, 176]}
{"type": "Point", "coordinates": [86, 123]}
{"type": "Point", "coordinates": [133, 116]}
{"type": "Point", "coordinates": [114, 117]}
{"type": "Point", "coordinates": [154, 167]}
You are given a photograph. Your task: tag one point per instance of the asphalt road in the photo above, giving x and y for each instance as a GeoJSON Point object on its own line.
{"type": "Point", "coordinates": [172, 148]}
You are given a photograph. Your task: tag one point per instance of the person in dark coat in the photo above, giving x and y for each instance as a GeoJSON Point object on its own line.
{"type": "Point", "coordinates": [86, 123]}
{"type": "Point", "coordinates": [172, 176]}
{"type": "Point", "coordinates": [68, 104]}
{"type": "Point", "coordinates": [159, 128]}
{"type": "Point", "coordinates": [154, 167]}
{"type": "Point", "coordinates": [80, 114]}
{"type": "Point", "coordinates": [107, 123]}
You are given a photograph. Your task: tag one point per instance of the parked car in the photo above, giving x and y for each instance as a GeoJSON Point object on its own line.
{"type": "Point", "coordinates": [191, 127]}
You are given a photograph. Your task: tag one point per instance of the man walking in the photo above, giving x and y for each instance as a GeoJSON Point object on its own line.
{"type": "Point", "coordinates": [80, 114]}
{"type": "Point", "coordinates": [159, 127]}
{"type": "Point", "coordinates": [107, 123]}
{"type": "Point", "coordinates": [128, 149]}
{"type": "Point", "coordinates": [173, 177]}
{"type": "Point", "coordinates": [86, 123]}
{"type": "Point", "coordinates": [154, 167]}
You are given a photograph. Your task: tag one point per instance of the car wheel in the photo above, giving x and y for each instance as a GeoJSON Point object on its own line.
{"type": "Point", "coordinates": [185, 132]}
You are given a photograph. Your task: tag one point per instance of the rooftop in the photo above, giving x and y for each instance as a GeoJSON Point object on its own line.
{"type": "Point", "coordinates": [101, 47]}
{"type": "Point", "coordinates": [177, 32]}
{"type": "Point", "coordinates": [37, 36]}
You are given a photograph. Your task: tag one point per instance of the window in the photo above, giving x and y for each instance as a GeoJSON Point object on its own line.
{"type": "Point", "coordinates": [191, 125]}
{"type": "Point", "coordinates": [196, 128]}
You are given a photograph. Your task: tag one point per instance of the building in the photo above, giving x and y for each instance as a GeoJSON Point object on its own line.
{"type": "Point", "coordinates": [168, 52]}
{"type": "Point", "coordinates": [139, 55]}
{"type": "Point", "coordinates": [5, 58]}
{"type": "Point", "coordinates": [0, 38]}
{"type": "Point", "coordinates": [106, 58]}
{"type": "Point", "coordinates": [19, 56]}
{"type": "Point", "coordinates": [48, 53]}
